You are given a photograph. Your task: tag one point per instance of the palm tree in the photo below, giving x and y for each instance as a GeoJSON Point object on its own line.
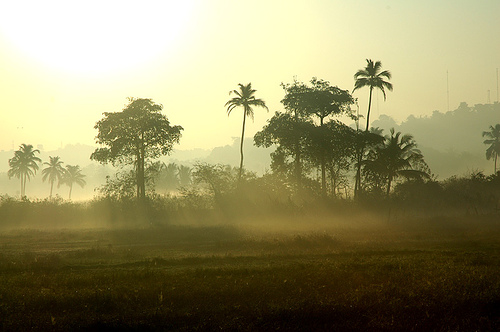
{"type": "Point", "coordinates": [23, 165]}
{"type": "Point", "coordinates": [54, 171]}
{"type": "Point", "coordinates": [73, 174]}
{"type": "Point", "coordinates": [245, 98]}
{"type": "Point", "coordinates": [493, 141]}
{"type": "Point", "coordinates": [184, 175]}
{"type": "Point", "coordinates": [372, 77]}
{"type": "Point", "coordinates": [397, 156]}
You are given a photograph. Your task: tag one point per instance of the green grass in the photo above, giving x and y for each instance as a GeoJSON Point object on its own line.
{"type": "Point", "coordinates": [441, 275]}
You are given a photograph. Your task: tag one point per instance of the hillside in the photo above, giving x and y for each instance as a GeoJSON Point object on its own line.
{"type": "Point", "coordinates": [451, 142]}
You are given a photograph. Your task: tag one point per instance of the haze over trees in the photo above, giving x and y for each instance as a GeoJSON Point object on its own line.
{"type": "Point", "coordinates": [245, 97]}
{"type": "Point", "coordinates": [24, 165]}
{"type": "Point", "coordinates": [54, 171]}
{"type": "Point", "coordinates": [134, 136]}
{"type": "Point", "coordinates": [371, 76]}
{"type": "Point", "coordinates": [493, 143]}
{"type": "Point", "coordinates": [313, 153]}
{"type": "Point", "coordinates": [73, 174]}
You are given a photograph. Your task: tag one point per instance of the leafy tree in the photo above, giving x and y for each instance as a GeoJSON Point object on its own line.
{"type": "Point", "coordinates": [167, 176]}
{"type": "Point", "coordinates": [54, 171]}
{"type": "Point", "coordinates": [184, 175]}
{"type": "Point", "coordinates": [120, 185]}
{"type": "Point", "coordinates": [288, 132]}
{"type": "Point", "coordinates": [245, 98]}
{"type": "Point", "coordinates": [24, 165]}
{"type": "Point", "coordinates": [319, 99]}
{"type": "Point", "coordinates": [134, 135]}
{"type": "Point", "coordinates": [72, 175]}
{"type": "Point", "coordinates": [397, 156]}
{"type": "Point", "coordinates": [123, 184]}
{"type": "Point", "coordinates": [372, 77]}
{"type": "Point", "coordinates": [493, 141]}
{"type": "Point", "coordinates": [337, 150]}
{"type": "Point", "coordinates": [220, 179]}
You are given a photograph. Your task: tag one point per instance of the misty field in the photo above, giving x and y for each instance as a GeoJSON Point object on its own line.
{"type": "Point", "coordinates": [430, 274]}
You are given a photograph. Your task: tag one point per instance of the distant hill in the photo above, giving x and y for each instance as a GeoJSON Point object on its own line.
{"type": "Point", "coordinates": [451, 142]}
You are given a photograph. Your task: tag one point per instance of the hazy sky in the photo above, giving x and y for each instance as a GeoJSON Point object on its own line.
{"type": "Point", "coordinates": [63, 63]}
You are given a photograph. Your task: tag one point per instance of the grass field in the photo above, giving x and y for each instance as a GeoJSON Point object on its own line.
{"type": "Point", "coordinates": [440, 274]}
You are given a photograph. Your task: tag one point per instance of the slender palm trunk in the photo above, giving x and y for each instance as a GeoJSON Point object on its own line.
{"type": "Point", "coordinates": [51, 187]}
{"type": "Point", "coordinates": [22, 187]}
{"type": "Point", "coordinates": [389, 182]}
{"type": "Point", "coordinates": [241, 143]}
{"type": "Point", "coordinates": [496, 157]}
{"type": "Point", "coordinates": [323, 166]}
{"type": "Point", "coordinates": [70, 189]}
{"type": "Point", "coordinates": [140, 172]}
{"type": "Point", "coordinates": [298, 168]}
{"type": "Point", "coordinates": [369, 108]}
{"type": "Point", "coordinates": [360, 157]}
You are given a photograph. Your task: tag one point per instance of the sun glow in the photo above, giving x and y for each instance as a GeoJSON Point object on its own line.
{"type": "Point", "coordinates": [93, 36]}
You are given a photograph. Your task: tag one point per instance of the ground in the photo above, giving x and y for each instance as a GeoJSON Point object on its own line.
{"type": "Point", "coordinates": [434, 274]}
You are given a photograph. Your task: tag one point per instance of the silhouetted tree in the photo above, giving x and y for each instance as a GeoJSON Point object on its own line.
{"type": "Point", "coordinates": [184, 175]}
{"type": "Point", "coordinates": [337, 151]}
{"type": "Point", "coordinates": [397, 156]}
{"type": "Point", "coordinates": [493, 141]}
{"type": "Point", "coordinates": [72, 175]}
{"type": "Point", "coordinates": [168, 176]}
{"type": "Point", "coordinates": [322, 100]}
{"type": "Point", "coordinates": [219, 178]}
{"type": "Point", "coordinates": [245, 98]}
{"type": "Point", "coordinates": [23, 165]}
{"type": "Point", "coordinates": [132, 136]}
{"type": "Point", "coordinates": [54, 171]}
{"type": "Point", "coordinates": [372, 77]}
{"type": "Point", "coordinates": [288, 132]}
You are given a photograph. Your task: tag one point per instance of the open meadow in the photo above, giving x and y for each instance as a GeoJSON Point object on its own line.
{"type": "Point", "coordinates": [440, 274]}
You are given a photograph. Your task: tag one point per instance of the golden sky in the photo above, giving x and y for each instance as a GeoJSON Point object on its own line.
{"type": "Point", "coordinates": [63, 63]}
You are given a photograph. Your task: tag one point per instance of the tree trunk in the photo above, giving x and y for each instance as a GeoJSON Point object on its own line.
{"type": "Point", "coordinates": [70, 189]}
{"type": "Point", "coordinates": [357, 185]}
{"type": "Point", "coordinates": [141, 186]}
{"type": "Point", "coordinates": [298, 168]}
{"type": "Point", "coordinates": [51, 187]}
{"type": "Point", "coordinates": [389, 181]}
{"type": "Point", "coordinates": [22, 187]}
{"type": "Point", "coordinates": [369, 107]}
{"type": "Point", "coordinates": [241, 143]}
{"type": "Point", "coordinates": [496, 156]}
{"type": "Point", "coordinates": [323, 163]}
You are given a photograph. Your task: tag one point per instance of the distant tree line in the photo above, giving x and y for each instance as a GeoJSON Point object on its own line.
{"type": "Point", "coordinates": [316, 156]}
{"type": "Point", "coordinates": [25, 164]}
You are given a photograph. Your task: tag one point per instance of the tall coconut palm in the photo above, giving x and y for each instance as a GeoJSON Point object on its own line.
{"type": "Point", "coordinates": [24, 165]}
{"type": "Point", "coordinates": [244, 97]}
{"type": "Point", "coordinates": [184, 175]}
{"type": "Point", "coordinates": [372, 77]}
{"type": "Point", "coordinates": [73, 174]}
{"type": "Point", "coordinates": [54, 171]}
{"type": "Point", "coordinates": [493, 141]}
{"type": "Point", "coordinates": [397, 156]}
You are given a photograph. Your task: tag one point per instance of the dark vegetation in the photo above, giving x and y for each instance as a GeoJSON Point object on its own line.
{"type": "Point", "coordinates": [418, 274]}
{"type": "Point", "coordinates": [349, 230]}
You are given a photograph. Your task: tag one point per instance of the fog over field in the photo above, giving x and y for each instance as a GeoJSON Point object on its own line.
{"type": "Point", "coordinates": [249, 166]}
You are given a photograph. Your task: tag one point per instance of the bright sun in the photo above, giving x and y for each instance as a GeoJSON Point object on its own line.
{"type": "Point", "coordinates": [93, 36]}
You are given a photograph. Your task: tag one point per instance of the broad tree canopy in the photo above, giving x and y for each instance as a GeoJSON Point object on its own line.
{"type": "Point", "coordinates": [137, 133]}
